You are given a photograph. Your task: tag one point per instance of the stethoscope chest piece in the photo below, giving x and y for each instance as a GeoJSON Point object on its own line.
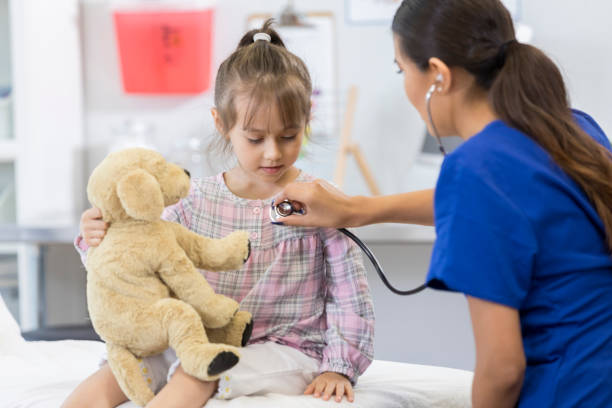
{"type": "Point", "coordinates": [283, 209]}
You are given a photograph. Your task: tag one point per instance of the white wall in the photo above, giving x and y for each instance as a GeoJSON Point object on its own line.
{"type": "Point", "coordinates": [578, 36]}
{"type": "Point", "coordinates": [432, 327]}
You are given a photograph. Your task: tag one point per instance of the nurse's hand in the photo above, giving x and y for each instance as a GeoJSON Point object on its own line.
{"type": "Point", "coordinates": [92, 227]}
{"type": "Point", "coordinates": [324, 204]}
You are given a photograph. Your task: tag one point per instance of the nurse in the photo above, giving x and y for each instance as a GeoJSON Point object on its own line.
{"type": "Point", "coordinates": [522, 209]}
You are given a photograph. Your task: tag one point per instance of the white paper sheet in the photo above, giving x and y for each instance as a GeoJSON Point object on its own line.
{"type": "Point", "coordinates": [42, 374]}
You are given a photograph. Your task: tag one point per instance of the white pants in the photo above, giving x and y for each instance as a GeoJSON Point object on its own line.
{"type": "Point", "coordinates": [263, 368]}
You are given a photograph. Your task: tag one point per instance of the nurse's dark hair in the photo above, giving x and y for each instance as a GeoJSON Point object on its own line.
{"type": "Point", "coordinates": [265, 72]}
{"type": "Point", "coordinates": [525, 88]}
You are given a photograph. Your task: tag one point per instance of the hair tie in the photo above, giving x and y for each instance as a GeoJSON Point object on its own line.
{"type": "Point", "coordinates": [504, 46]}
{"type": "Point", "coordinates": [262, 36]}
{"type": "Point", "coordinates": [503, 51]}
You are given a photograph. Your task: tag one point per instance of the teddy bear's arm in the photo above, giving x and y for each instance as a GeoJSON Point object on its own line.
{"type": "Point", "coordinates": [225, 254]}
{"type": "Point", "coordinates": [190, 286]}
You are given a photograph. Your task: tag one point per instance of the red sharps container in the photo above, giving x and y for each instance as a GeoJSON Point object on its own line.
{"type": "Point", "coordinates": [164, 47]}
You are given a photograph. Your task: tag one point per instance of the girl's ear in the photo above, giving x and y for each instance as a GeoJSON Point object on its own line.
{"type": "Point", "coordinates": [218, 122]}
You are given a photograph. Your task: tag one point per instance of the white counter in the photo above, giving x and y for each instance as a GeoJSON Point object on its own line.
{"type": "Point", "coordinates": [396, 233]}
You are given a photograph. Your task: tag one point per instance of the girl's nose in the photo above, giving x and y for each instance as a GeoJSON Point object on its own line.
{"type": "Point", "coordinates": [272, 152]}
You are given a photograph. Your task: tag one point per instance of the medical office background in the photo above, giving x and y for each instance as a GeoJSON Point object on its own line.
{"type": "Point", "coordinates": [63, 108]}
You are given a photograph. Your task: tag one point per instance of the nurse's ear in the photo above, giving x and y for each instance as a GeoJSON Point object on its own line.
{"type": "Point", "coordinates": [441, 75]}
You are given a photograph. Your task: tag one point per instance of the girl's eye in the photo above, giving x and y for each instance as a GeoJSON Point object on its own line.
{"type": "Point", "coordinates": [289, 138]}
{"type": "Point", "coordinates": [254, 141]}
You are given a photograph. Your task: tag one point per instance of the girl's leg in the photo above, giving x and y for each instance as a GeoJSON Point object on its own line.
{"type": "Point", "coordinates": [183, 391]}
{"type": "Point", "coordinates": [268, 368]}
{"type": "Point", "coordinates": [99, 390]}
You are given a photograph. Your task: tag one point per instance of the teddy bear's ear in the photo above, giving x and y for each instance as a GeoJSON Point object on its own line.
{"type": "Point", "coordinates": [140, 195]}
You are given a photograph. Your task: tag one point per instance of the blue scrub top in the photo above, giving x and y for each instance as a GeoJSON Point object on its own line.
{"type": "Point", "coordinates": [514, 229]}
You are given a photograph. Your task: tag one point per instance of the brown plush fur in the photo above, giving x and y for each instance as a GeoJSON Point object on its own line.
{"type": "Point", "coordinates": [143, 291]}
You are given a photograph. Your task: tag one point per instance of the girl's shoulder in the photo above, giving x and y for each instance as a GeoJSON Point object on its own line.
{"type": "Point", "coordinates": [200, 191]}
{"type": "Point", "coordinates": [208, 188]}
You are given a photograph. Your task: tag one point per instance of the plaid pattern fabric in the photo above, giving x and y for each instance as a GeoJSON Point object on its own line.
{"type": "Point", "coordinates": [306, 287]}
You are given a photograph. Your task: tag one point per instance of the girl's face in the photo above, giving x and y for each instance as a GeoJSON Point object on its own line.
{"type": "Point", "coordinates": [267, 148]}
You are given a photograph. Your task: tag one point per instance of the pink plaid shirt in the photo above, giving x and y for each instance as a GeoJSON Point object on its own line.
{"type": "Point", "coordinates": [306, 287]}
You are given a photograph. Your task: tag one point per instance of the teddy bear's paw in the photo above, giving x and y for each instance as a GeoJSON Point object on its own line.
{"type": "Point", "coordinates": [248, 251]}
{"type": "Point", "coordinates": [224, 361]}
{"type": "Point", "coordinates": [236, 333]}
{"type": "Point", "coordinates": [219, 311]}
{"type": "Point", "coordinates": [239, 330]}
{"type": "Point", "coordinates": [209, 360]}
{"type": "Point", "coordinates": [246, 335]}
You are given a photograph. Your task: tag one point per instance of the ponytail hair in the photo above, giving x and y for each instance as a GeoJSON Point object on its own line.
{"type": "Point", "coordinates": [529, 94]}
{"type": "Point", "coordinates": [266, 72]}
{"type": "Point", "coordinates": [249, 37]}
{"type": "Point", "coordinates": [525, 88]}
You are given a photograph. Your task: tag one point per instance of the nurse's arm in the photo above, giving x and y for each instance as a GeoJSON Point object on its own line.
{"type": "Point", "coordinates": [415, 207]}
{"type": "Point", "coordinates": [500, 358]}
{"type": "Point", "coordinates": [326, 206]}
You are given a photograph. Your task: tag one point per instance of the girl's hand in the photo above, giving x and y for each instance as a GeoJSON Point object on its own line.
{"type": "Point", "coordinates": [328, 383]}
{"type": "Point", "coordinates": [93, 228]}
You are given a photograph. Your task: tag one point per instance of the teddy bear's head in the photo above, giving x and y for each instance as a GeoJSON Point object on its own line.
{"type": "Point", "coordinates": [137, 184]}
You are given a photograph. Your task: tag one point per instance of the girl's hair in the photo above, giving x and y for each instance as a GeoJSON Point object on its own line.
{"type": "Point", "coordinates": [525, 88]}
{"type": "Point", "coordinates": [267, 73]}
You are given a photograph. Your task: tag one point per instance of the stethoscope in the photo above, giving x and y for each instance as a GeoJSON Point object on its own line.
{"type": "Point", "coordinates": [428, 96]}
{"type": "Point", "coordinates": [286, 208]}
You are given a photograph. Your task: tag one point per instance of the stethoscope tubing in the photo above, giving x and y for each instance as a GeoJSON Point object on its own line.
{"type": "Point", "coordinates": [378, 268]}
{"type": "Point", "coordinates": [286, 208]}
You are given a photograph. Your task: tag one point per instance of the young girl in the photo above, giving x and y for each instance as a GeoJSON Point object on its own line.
{"type": "Point", "coordinates": [306, 287]}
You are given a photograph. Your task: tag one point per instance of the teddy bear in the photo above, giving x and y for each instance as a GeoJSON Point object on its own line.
{"type": "Point", "coordinates": [144, 293]}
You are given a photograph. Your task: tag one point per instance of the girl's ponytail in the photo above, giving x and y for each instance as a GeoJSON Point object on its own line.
{"type": "Point", "coordinates": [529, 94]}
{"type": "Point", "coordinates": [248, 38]}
